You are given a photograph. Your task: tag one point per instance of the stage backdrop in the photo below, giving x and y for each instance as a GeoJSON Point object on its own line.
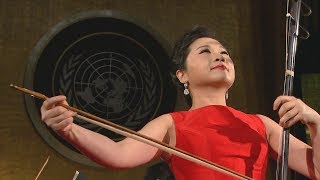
{"type": "Point", "coordinates": [253, 32]}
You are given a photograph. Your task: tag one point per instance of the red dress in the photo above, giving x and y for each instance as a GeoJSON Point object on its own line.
{"type": "Point", "coordinates": [224, 136]}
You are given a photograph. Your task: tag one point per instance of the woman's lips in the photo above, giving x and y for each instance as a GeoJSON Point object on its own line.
{"type": "Point", "coordinates": [223, 67]}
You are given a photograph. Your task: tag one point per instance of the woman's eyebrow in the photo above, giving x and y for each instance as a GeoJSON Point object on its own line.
{"type": "Point", "coordinates": [206, 46]}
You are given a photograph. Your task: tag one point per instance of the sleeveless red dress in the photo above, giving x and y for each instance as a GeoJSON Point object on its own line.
{"type": "Point", "coordinates": [224, 136]}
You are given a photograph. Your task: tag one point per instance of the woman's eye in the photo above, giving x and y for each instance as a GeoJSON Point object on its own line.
{"type": "Point", "coordinates": [224, 52]}
{"type": "Point", "coordinates": [204, 51]}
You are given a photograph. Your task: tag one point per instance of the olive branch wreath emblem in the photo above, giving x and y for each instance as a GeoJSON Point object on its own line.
{"type": "Point", "coordinates": [139, 115]}
{"type": "Point", "coordinates": [146, 88]}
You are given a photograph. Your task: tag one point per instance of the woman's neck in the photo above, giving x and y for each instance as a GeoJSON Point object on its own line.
{"type": "Point", "coordinates": [209, 96]}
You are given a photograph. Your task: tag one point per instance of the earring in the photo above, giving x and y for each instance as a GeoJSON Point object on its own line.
{"type": "Point", "coordinates": [186, 90]}
{"type": "Point", "coordinates": [227, 95]}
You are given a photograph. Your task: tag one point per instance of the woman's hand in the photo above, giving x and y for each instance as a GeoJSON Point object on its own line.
{"type": "Point", "coordinates": [292, 110]}
{"type": "Point", "coordinates": [57, 117]}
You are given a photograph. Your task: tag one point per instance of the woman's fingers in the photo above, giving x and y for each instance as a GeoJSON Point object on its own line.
{"type": "Point", "coordinates": [286, 107]}
{"type": "Point", "coordinates": [57, 122]}
{"type": "Point", "coordinates": [53, 112]}
{"type": "Point", "coordinates": [292, 110]}
{"type": "Point", "coordinates": [62, 125]}
{"type": "Point", "coordinates": [292, 121]}
{"type": "Point", "coordinates": [54, 116]}
{"type": "Point", "coordinates": [51, 102]}
{"type": "Point", "coordinates": [289, 118]}
{"type": "Point", "coordinates": [281, 100]}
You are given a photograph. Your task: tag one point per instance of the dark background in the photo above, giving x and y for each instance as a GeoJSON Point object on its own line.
{"type": "Point", "coordinates": [253, 29]}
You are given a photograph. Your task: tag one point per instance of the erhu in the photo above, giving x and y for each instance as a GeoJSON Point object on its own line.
{"type": "Point", "coordinates": [294, 7]}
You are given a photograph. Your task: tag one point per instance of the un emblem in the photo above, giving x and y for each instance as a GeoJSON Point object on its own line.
{"type": "Point", "coordinates": [107, 65]}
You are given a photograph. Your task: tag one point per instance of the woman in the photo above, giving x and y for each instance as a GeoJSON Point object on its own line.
{"type": "Point", "coordinates": [209, 129]}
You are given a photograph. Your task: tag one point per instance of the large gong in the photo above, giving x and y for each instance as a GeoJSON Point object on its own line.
{"type": "Point", "coordinates": [106, 64]}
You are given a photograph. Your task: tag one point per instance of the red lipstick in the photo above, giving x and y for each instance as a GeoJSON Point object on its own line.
{"type": "Point", "coordinates": [221, 66]}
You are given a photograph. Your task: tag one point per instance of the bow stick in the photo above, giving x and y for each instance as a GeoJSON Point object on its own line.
{"type": "Point", "coordinates": [292, 34]}
{"type": "Point", "coordinates": [138, 136]}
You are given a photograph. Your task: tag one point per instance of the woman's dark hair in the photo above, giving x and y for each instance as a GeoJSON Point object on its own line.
{"type": "Point", "coordinates": [181, 51]}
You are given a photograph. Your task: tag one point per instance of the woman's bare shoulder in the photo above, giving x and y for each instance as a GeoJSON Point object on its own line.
{"type": "Point", "coordinates": [165, 119]}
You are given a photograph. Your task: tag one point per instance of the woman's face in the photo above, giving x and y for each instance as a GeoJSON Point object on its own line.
{"type": "Point", "coordinates": [209, 63]}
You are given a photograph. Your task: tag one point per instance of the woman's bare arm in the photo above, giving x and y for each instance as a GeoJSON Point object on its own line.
{"type": "Point", "coordinates": [124, 154]}
{"type": "Point", "coordinates": [302, 157]}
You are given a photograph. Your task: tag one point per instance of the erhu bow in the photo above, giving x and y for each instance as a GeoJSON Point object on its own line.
{"type": "Point", "coordinates": [292, 34]}
{"type": "Point", "coordinates": [138, 136]}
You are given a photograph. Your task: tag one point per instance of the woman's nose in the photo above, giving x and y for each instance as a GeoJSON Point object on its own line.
{"type": "Point", "coordinates": [220, 58]}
